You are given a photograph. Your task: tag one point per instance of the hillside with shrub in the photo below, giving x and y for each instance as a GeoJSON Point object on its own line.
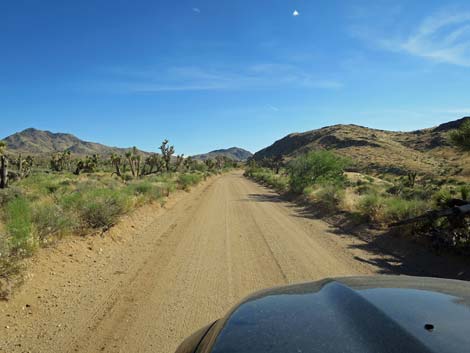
{"type": "Point", "coordinates": [426, 151]}
{"type": "Point", "coordinates": [340, 182]}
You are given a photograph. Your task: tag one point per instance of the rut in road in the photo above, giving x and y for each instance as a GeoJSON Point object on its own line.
{"type": "Point", "coordinates": [212, 248]}
{"type": "Point", "coordinates": [232, 242]}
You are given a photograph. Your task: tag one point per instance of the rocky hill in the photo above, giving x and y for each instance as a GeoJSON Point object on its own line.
{"type": "Point", "coordinates": [425, 151]}
{"type": "Point", "coordinates": [235, 153]}
{"type": "Point", "coordinates": [33, 141]}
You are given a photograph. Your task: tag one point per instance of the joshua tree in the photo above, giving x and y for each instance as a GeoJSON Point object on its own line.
{"type": "Point", "coordinates": [219, 162]}
{"type": "Point", "coordinates": [277, 163]}
{"type": "Point", "coordinates": [134, 159]}
{"type": "Point", "coordinates": [154, 161]}
{"type": "Point", "coordinates": [167, 152]}
{"type": "Point", "coordinates": [61, 161]}
{"type": "Point", "coordinates": [88, 165]}
{"type": "Point", "coordinates": [23, 166]}
{"type": "Point", "coordinates": [179, 161]}
{"type": "Point", "coordinates": [188, 163]}
{"type": "Point", "coordinates": [3, 166]}
{"type": "Point", "coordinates": [210, 164]}
{"type": "Point", "coordinates": [116, 160]}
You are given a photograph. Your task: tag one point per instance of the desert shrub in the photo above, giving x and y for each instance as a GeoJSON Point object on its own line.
{"type": "Point", "coordinates": [19, 226]}
{"type": "Point", "coordinates": [316, 166]}
{"type": "Point", "coordinates": [185, 181]}
{"type": "Point", "coordinates": [267, 176]}
{"type": "Point", "coordinates": [460, 138]}
{"type": "Point", "coordinates": [371, 206]}
{"type": "Point", "coordinates": [397, 209]}
{"type": "Point", "coordinates": [146, 191]}
{"type": "Point", "coordinates": [309, 190]}
{"type": "Point", "coordinates": [42, 184]}
{"type": "Point", "coordinates": [442, 197]}
{"type": "Point", "coordinates": [200, 167]}
{"type": "Point", "coordinates": [364, 188]}
{"type": "Point", "coordinates": [464, 191]}
{"type": "Point", "coordinates": [51, 219]}
{"type": "Point", "coordinates": [9, 194]}
{"type": "Point", "coordinates": [164, 179]}
{"type": "Point", "coordinates": [97, 208]}
{"type": "Point", "coordinates": [140, 188]}
{"type": "Point", "coordinates": [102, 207]}
{"type": "Point", "coordinates": [330, 195]}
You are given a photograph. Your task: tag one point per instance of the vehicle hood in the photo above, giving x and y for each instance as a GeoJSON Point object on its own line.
{"type": "Point", "coordinates": [352, 314]}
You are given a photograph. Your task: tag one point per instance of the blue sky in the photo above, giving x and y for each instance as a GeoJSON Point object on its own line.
{"type": "Point", "coordinates": [214, 74]}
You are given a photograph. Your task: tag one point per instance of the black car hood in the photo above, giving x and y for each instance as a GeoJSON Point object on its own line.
{"type": "Point", "coordinates": [366, 314]}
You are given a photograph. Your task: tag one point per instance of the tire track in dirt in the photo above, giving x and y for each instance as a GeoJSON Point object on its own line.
{"type": "Point", "coordinates": [188, 267]}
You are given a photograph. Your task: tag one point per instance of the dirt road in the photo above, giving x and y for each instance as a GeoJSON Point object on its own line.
{"type": "Point", "coordinates": [182, 267]}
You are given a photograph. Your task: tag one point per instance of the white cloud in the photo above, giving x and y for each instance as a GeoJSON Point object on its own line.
{"type": "Point", "coordinates": [196, 10]}
{"type": "Point", "coordinates": [442, 37]}
{"type": "Point", "coordinates": [195, 78]}
{"type": "Point", "coordinates": [295, 13]}
{"type": "Point", "coordinates": [272, 107]}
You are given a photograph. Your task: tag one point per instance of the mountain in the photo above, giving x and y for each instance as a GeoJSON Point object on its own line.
{"type": "Point", "coordinates": [235, 153]}
{"type": "Point", "coordinates": [426, 151]}
{"type": "Point", "coordinates": [33, 141]}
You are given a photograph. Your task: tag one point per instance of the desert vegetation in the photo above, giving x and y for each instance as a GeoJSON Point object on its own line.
{"type": "Point", "coordinates": [45, 199]}
{"type": "Point", "coordinates": [335, 185]}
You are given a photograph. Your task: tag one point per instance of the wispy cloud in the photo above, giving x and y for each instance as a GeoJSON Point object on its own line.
{"type": "Point", "coordinates": [196, 10]}
{"type": "Point", "coordinates": [272, 107]}
{"type": "Point", "coordinates": [196, 78]}
{"type": "Point", "coordinates": [442, 37]}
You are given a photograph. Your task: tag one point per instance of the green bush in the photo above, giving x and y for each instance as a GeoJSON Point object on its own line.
{"type": "Point", "coordinates": [19, 225]}
{"type": "Point", "coordinates": [140, 188]}
{"type": "Point", "coordinates": [51, 219]}
{"type": "Point", "coordinates": [42, 184]}
{"type": "Point", "coordinates": [314, 167]}
{"type": "Point", "coordinates": [330, 196]}
{"type": "Point", "coordinates": [9, 194]}
{"type": "Point", "coordinates": [371, 206]}
{"type": "Point", "coordinates": [185, 181]}
{"type": "Point", "coordinates": [460, 138]}
{"type": "Point", "coordinates": [97, 208]}
{"type": "Point", "coordinates": [397, 209]}
{"type": "Point", "coordinates": [267, 176]}
{"type": "Point", "coordinates": [442, 197]}
{"type": "Point", "coordinates": [464, 192]}
{"type": "Point", "coordinates": [102, 207]}
{"type": "Point", "coordinates": [146, 191]}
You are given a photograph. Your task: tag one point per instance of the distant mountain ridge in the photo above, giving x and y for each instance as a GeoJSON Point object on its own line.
{"type": "Point", "coordinates": [426, 150]}
{"type": "Point", "coordinates": [234, 153]}
{"type": "Point", "coordinates": [34, 141]}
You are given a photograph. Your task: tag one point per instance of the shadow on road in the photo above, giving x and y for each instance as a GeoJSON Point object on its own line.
{"type": "Point", "coordinates": [264, 198]}
{"type": "Point", "coordinates": [387, 251]}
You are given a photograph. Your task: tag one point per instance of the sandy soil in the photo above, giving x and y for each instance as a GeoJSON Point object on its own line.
{"type": "Point", "coordinates": [164, 272]}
